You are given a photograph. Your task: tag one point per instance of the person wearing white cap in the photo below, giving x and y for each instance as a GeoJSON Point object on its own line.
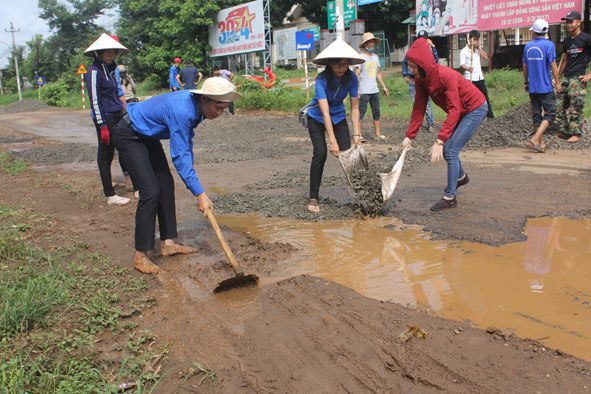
{"type": "Point", "coordinates": [369, 74]}
{"type": "Point", "coordinates": [108, 104]}
{"type": "Point", "coordinates": [327, 110]}
{"type": "Point", "coordinates": [576, 53]}
{"type": "Point", "coordinates": [539, 58]}
{"type": "Point", "coordinates": [137, 136]}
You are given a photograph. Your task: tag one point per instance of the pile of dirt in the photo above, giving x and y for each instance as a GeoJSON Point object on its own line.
{"type": "Point", "coordinates": [23, 106]}
{"type": "Point", "coordinates": [58, 154]}
{"type": "Point", "coordinates": [514, 129]}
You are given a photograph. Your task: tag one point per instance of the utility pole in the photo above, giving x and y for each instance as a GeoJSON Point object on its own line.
{"type": "Point", "coordinates": [18, 81]}
{"type": "Point", "coordinates": [340, 13]}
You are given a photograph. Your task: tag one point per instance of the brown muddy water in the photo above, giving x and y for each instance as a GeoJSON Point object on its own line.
{"type": "Point", "coordinates": [537, 289]}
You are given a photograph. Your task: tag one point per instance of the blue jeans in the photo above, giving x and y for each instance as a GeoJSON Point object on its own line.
{"type": "Point", "coordinates": [429, 114]}
{"type": "Point", "coordinates": [452, 147]}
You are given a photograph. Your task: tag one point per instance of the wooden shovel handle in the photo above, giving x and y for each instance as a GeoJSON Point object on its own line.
{"type": "Point", "coordinates": [227, 250]}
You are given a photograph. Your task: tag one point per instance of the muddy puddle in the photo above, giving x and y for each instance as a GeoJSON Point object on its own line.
{"type": "Point", "coordinates": [536, 289]}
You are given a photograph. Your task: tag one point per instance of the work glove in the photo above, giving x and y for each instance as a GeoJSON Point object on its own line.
{"type": "Point", "coordinates": [105, 136]}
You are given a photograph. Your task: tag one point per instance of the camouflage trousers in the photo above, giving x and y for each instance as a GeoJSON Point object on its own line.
{"type": "Point", "coordinates": [569, 106]}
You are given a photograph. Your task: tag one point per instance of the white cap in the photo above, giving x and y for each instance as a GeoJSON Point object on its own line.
{"type": "Point", "coordinates": [540, 26]}
{"type": "Point", "coordinates": [105, 42]}
{"type": "Point", "coordinates": [218, 89]}
{"type": "Point", "coordinates": [338, 49]}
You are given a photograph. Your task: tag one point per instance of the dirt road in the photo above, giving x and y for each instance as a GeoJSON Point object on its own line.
{"type": "Point", "coordinates": [304, 334]}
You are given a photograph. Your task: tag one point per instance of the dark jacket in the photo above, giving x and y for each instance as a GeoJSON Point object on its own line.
{"type": "Point", "coordinates": [103, 91]}
{"type": "Point", "coordinates": [447, 88]}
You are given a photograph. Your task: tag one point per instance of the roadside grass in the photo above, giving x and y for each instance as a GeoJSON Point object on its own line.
{"type": "Point", "coordinates": [54, 301]}
{"type": "Point", "coordinates": [11, 165]}
{"type": "Point", "coordinates": [28, 94]}
{"type": "Point", "coordinates": [505, 88]}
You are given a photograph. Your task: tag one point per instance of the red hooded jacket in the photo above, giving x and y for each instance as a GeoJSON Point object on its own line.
{"type": "Point", "coordinates": [447, 88]}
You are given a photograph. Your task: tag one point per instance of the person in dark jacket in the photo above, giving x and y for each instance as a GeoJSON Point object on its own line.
{"type": "Point", "coordinates": [464, 104]}
{"type": "Point", "coordinates": [108, 105]}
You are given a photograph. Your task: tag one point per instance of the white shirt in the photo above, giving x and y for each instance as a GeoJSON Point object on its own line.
{"type": "Point", "coordinates": [369, 72]}
{"type": "Point", "coordinates": [467, 59]}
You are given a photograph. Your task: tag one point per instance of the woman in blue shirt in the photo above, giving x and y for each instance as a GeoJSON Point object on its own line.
{"type": "Point", "coordinates": [327, 113]}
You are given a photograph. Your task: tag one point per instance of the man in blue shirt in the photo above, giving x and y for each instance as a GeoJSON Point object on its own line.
{"type": "Point", "coordinates": [137, 136]}
{"type": "Point", "coordinates": [173, 84]}
{"type": "Point", "coordinates": [539, 58]}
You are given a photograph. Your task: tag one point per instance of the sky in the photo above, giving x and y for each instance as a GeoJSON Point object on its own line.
{"type": "Point", "coordinates": [24, 15]}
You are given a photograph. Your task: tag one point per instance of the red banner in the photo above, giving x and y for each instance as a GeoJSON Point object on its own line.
{"type": "Point", "coordinates": [504, 14]}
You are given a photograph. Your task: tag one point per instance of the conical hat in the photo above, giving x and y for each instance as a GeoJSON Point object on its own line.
{"type": "Point", "coordinates": [105, 42]}
{"type": "Point", "coordinates": [338, 49]}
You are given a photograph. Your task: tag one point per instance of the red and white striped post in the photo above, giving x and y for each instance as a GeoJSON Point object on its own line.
{"type": "Point", "coordinates": [82, 80]}
{"type": "Point", "coordinates": [81, 71]}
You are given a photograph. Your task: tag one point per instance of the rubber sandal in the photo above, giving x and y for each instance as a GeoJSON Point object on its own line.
{"type": "Point", "coordinates": [535, 147]}
{"type": "Point", "coordinates": [361, 139]}
{"type": "Point", "coordinates": [380, 138]}
{"type": "Point", "coordinates": [313, 206]}
{"type": "Point", "coordinates": [117, 185]}
{"type": "Point", "coordinates": [574, 138]}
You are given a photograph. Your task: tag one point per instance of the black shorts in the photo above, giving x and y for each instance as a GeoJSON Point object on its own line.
{"type": "Point", "coordinates": [547, 101]}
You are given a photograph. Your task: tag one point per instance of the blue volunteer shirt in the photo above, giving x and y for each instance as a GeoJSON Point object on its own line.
{"type": "Point", "coordinates": [171, 116]}
{"type": "Point", "coordinates": [539, 54]}
{"type": "Point", "coordinates": [336, 105]}
{"type": "Point", "coordinates": [172, 78]}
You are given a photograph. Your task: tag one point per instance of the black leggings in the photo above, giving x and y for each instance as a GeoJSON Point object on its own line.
{"type": "Point", "coordinates": [149, 172]}
{"type": "Point", "coordinates": [317, 135]}
{"type": "Point", "coordinates": [104, 157]}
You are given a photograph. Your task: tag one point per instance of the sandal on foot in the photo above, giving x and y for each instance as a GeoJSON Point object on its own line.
{"type": "Point", "coordinates": [574, 138]}
{"type": "Point", "coordinates": [313, 205]}
{"type": "Point", "coordinates": [535, 147]}
{"type": "Point", "coordinates": [380, 138]}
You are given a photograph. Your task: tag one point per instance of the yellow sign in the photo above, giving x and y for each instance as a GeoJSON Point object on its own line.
{"type": "Point", "coordinates": [81, 69]}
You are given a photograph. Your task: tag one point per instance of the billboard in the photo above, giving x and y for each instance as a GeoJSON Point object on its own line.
{"type": "Point", "coordinates": [285, 43]}
{"type": "Point", "coordinates": [238, 29]}
{"type": "Point", "coordinates": [444, 17]}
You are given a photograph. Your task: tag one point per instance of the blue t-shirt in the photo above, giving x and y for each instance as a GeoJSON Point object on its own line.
{"type": "Point", "coordinates": [335, 103]}
{"type": "Point", "coordinates": [171, 116]}
{"type": "Point", "coordinates": [539, 54]}
{"type": "Point", "coordinates": [173, 83]}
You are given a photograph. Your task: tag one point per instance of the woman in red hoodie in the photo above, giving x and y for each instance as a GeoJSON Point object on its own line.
{"type": "Point", "coordinates": [465, 106]}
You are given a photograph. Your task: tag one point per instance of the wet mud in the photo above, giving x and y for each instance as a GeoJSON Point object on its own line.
{"type": "Point", "coordinates": [274, 337]}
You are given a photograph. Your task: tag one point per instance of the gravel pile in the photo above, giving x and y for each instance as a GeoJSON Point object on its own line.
{"type": "Point", "coordinates": [23, 106]}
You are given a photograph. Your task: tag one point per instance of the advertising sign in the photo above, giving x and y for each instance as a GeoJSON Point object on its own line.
{"type": "Point", "coordinates": [304, 40]}
{"type": "Point", "coordinates": [444, 17]}
{"type": "Point", "coordinates": [350, 13]}
{"type": "Point", "coordinates": [364, 2]}
{"type": "Point", "coordinates": [238, 29]}
{"type": "Point", "coordinates": [499, 14]}
{"type": "Point", "coordinates": [316, 31]}
{"type": "Point", "coordinates": [285, 43]}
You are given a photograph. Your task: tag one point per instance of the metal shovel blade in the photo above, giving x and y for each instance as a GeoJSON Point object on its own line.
{"type": "Point", "coordinates": [237, 281]}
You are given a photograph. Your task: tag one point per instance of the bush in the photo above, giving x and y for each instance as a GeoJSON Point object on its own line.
{"type": "Point", "coordinates": [55, 94]}
{"type": "Point", "coordinates": [277, 98]}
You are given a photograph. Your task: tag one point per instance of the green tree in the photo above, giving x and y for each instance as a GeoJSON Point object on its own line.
{"type": "Point", "coordinates": [72, 23]}
{"type": "Point", "coordinates": [157, 32]}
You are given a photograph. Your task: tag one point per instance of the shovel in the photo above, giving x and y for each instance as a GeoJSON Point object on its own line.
{"type": "Point", "coordinates": [239, 280]}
